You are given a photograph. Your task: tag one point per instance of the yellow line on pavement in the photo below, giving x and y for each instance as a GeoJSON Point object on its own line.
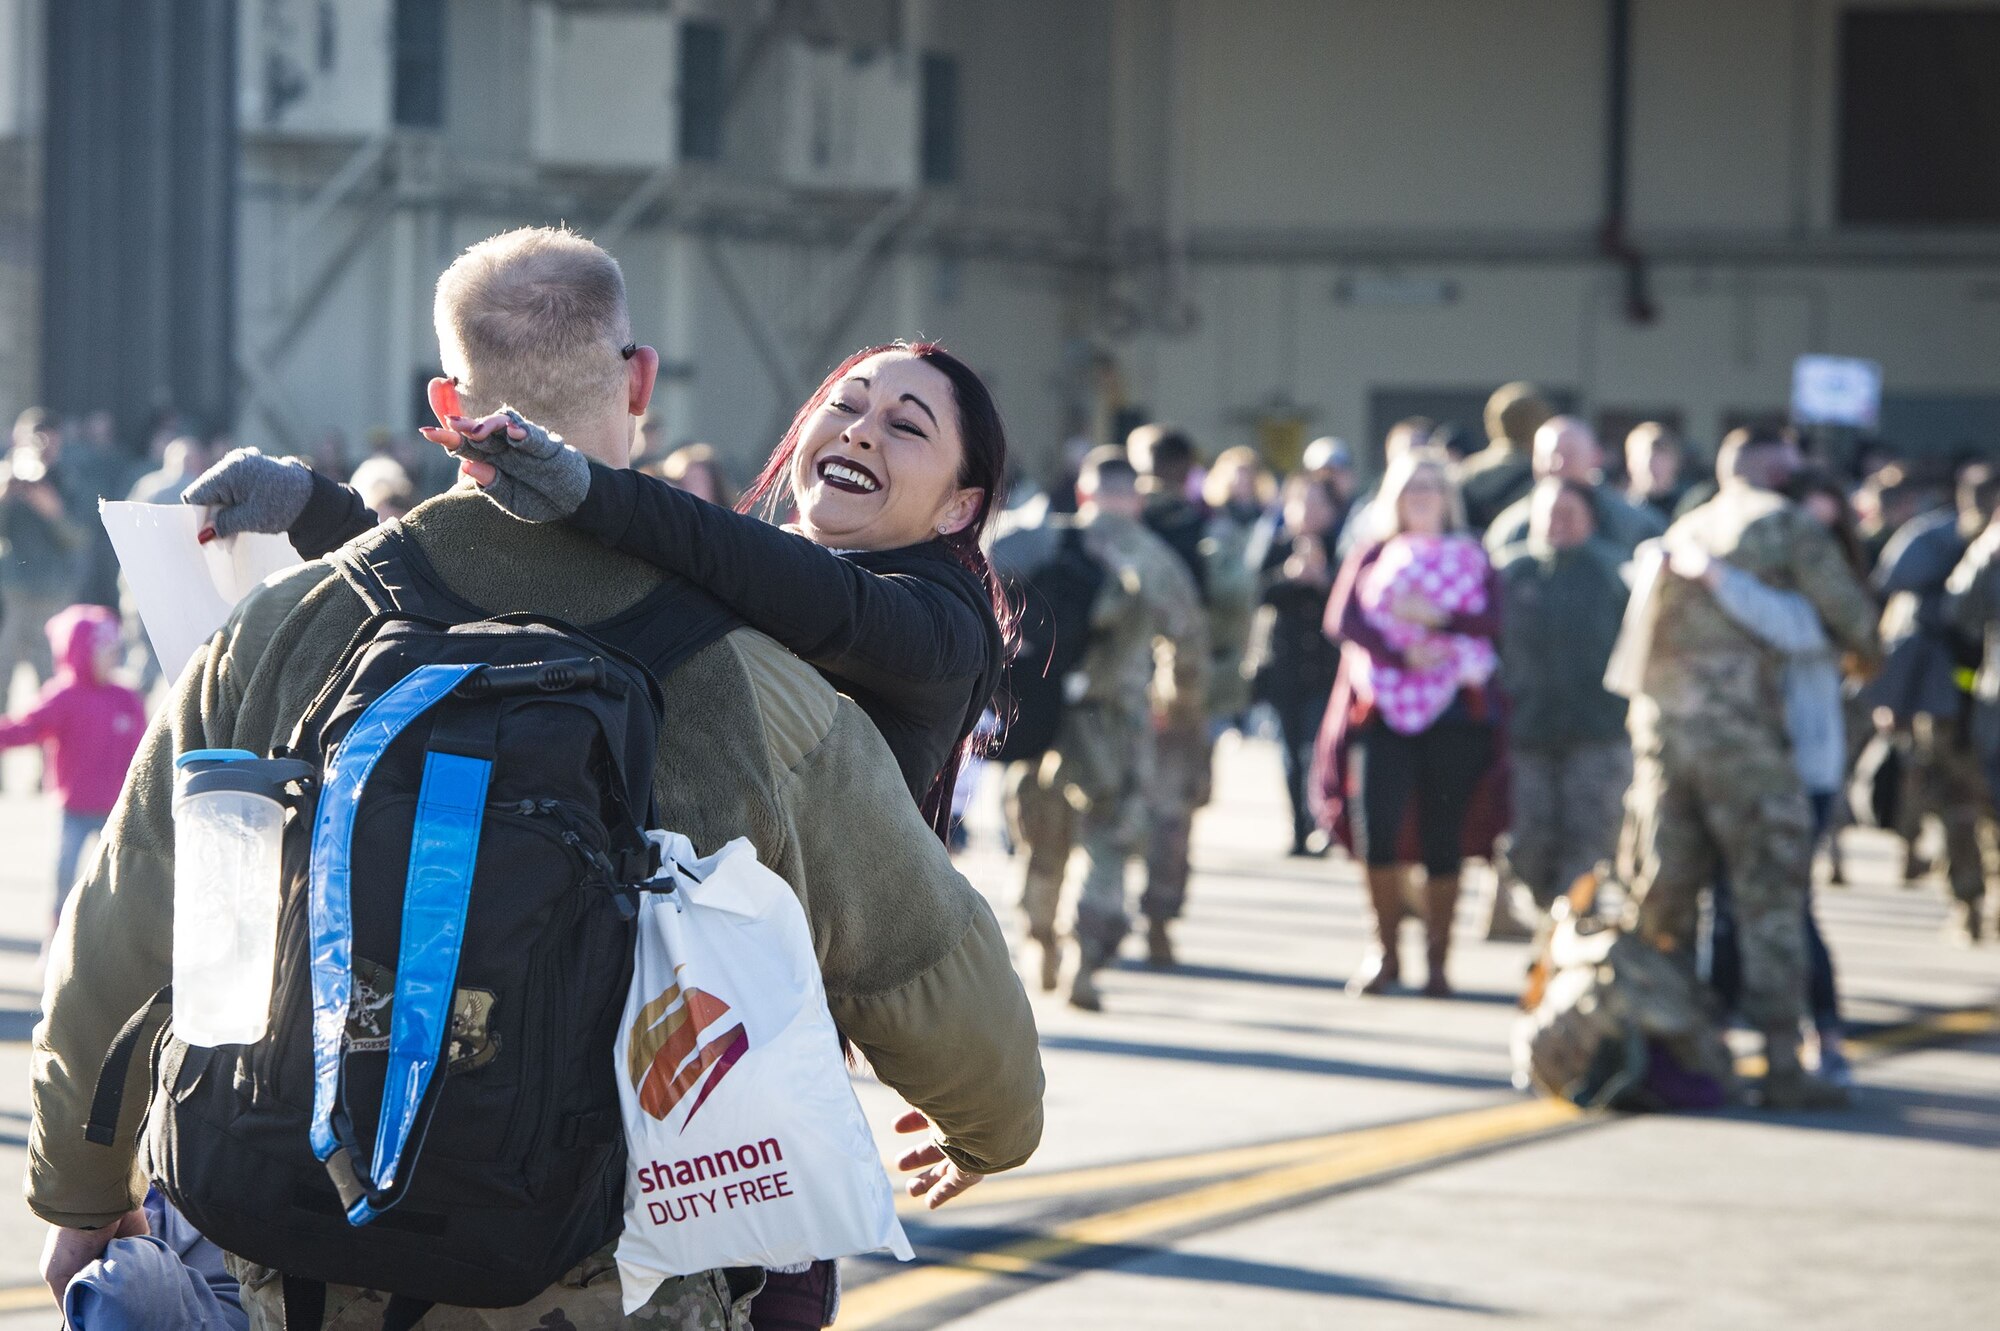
{"type": "Point", "coordinates": [26, 1298]}
{"type": "Point", "coordinates": [1291, 1171]}
{"type": "Point", "coordinates": [1135, 1173]}
{"type": "Point", "coordinates": [1957, 1024]}
{"type": "Point", "coordinates": [1345, 1158]}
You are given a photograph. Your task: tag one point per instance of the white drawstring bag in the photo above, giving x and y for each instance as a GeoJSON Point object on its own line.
{"type": "Point", "coordinates": [746, 1145]}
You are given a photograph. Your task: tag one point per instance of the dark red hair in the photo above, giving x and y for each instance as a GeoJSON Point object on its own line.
{"type": "Point", "coordinates": [983, 466]}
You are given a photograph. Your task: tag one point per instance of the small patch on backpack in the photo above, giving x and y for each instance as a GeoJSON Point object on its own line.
{"type": "Point", "coordinates": [474, 1043]}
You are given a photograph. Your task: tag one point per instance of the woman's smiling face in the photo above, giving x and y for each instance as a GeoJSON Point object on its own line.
{"type": "Point", "coordinates": [878, 461]}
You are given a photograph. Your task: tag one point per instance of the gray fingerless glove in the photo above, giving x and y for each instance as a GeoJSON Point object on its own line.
{"type": "Point", "coordinates": [250, 492]}
{"type": "Point", "coordinates": [541, 478]}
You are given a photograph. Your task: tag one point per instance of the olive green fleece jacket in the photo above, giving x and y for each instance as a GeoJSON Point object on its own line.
{"type": "Point", "coordinates": [755, 745]}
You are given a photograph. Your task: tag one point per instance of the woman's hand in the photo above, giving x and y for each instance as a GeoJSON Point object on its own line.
{"type": "Point", "coordinates": [522, 467]}
{"type": "Point", "coordinates": [941, 1178]}
{"type": "Point", "coordinates": [247, 491]}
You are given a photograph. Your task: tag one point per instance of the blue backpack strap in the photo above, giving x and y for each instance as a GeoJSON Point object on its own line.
{"type": "Point", "coordinates": [444, 847]}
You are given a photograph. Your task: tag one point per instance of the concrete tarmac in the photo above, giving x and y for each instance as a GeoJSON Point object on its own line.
{"type": "Point", "coordinates": [1237, 1143]}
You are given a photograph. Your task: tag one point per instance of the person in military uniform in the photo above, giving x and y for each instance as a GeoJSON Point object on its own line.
{"type": "Point", "coordinates": [1714, 783]}
{"type": "Point", "coordinates": [1921, 696]}
{"type": "Point", "coordinates": [1164, 457]}
{"type": "Point", "coordinates": [1972, 605]}
{"type": "Point", "coordinates": [1501, 473]}
{"type": "Point", "coordinates": [1081, 809]}
{"type": "Point", "coordinates": [1239, 492]}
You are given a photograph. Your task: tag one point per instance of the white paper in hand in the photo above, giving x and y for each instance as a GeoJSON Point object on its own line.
{"type": "Point", "coordinates": [185, 590]}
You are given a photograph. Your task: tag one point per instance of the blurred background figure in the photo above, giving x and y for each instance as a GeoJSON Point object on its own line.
{"type": "Point", "coordinates": [1502, 472]}
{"type": "Point", "coordinates": [1715, 786]}
{"type": "Point", "coordinates": [696, 469]}
{"type": "Point", "coordinates": [93, 466]}
{"type": "Point", "coordinates": [1294, 663]}
{"type": "Point", "coordinates": [1566, 448]}
{"type": "Point", "coordinates": [1238, 491]}
{"type": "Point", "coordinates": [1653, 461]}
{"type": "Point", "coordinates": [41, 549]}
{"type": "Point", "coordinates": [1894, 494]}
{"type": "Point", "coordinates": [1569, 758]}
{"type": "Point", "coordinates": [1081, 809]}
{"type": "Point", "coordinates": [1924, 694]}
{"type": "Point", "coordinates": [385, 486]}
{"type": "Point", "coordinates": [1973, 602]}
{"type": "Point", "coordinates": [1410, 732]}
{"type": "Point", "coordinates": [1165, 458]}
{"type": "Point", "coordinates": [182, 461]}
{"type": "Point", "coordinates": [1371, 520]}
{"type": "Point", "coordinates": [1918, 697]}
{"type": "Point", "coordinates": [649, 443]}
{"type": "Point", "coordinates": [89, 726]}
{"type": "Point", "coordinates": [1787, 622]}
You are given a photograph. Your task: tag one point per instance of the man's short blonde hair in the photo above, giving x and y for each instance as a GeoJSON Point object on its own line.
{"type": "Point", "coordinates": [534, 319]}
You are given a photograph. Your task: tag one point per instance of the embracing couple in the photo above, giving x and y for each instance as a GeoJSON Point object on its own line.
{"type": "Point", "coordinates": [893, 468]}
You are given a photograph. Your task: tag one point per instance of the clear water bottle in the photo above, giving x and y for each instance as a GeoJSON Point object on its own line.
{"type": "Point", "coordinates": [229, 824]}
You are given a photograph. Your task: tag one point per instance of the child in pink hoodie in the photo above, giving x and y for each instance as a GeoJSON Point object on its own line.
{"type": "Point", "coordinates": [88, 725]}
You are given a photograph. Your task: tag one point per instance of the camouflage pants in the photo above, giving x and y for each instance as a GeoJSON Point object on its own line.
{"type": "Point", "coordinates": [586, 1299]}
{"type": "Point", "coordinates": [1945, 780]}
{"type": "Point", "coordinates": [1180, 785]}
{"type": "Point", "coordinates": [1693, 810]}
{"type": "Point", "coordinates": [1567, 805]}
{"type": "Point", "coordinates": [1069, 836]}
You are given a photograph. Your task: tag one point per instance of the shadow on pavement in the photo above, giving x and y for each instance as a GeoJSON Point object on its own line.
{"type": "Point", "coordinates": [1147, 1261]}
{"type": "Point", "coordinates": [1943, 1117]}
{"type": "Point", "coordinates": [944, 1245]}
{"type": "Point", "coordinates": [1270, 1060]}
{"type": "Point", "coordinates": [1127, 1008]}
{"type": "Point", "coordinates": [1337, 984]}
{"type": "Point", "coordinates": [1278, 978]}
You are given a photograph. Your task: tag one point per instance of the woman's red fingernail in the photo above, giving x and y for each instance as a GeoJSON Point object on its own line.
{"type": "Point", "coordinates": [204, 536]}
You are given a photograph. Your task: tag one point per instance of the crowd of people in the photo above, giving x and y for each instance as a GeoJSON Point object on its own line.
{"type": "Point", "coordinates": [1543, 658]}
{"type": "Point", "coordinates": [1530, 654]}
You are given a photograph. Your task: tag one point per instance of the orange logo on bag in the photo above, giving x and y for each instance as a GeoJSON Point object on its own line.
{"type": "Point", "coordinates": [660, 1053]}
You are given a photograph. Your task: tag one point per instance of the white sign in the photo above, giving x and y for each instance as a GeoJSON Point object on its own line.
{"type": "Point", "coordinates": [184, 589]}
{"type": "Point", "coordinates": [1836, 390]}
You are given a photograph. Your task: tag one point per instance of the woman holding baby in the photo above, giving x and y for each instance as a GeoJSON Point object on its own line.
{"type": "Point", "coordinates": [1407, 775]}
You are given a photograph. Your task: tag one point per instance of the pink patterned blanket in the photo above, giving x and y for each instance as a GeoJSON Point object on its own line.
{"type": "Point", "coordinates": [1449, 572]}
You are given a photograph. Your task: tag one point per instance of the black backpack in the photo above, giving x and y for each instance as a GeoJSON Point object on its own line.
{"type": "Point", "coordinates": [1058, 597]}
{"type": "Point", "coordinates": [525, 753]}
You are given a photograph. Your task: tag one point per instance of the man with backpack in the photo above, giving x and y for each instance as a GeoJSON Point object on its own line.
{"type": "Point", "coordinates": [1087, 790]}
{"type": "Point", "coordinates": [666, 703]}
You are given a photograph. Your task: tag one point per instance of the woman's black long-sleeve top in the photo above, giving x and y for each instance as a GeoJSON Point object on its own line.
{"type": "Point", "coordinates": [909, 634]}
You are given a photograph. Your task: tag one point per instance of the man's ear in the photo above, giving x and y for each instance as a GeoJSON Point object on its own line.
{"type": "Point", "coordinates": [959, 513]}
{"type": "Point", "coordinates": [641, 373]}
{"type": "Point", "coordinates": [444, 399]}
